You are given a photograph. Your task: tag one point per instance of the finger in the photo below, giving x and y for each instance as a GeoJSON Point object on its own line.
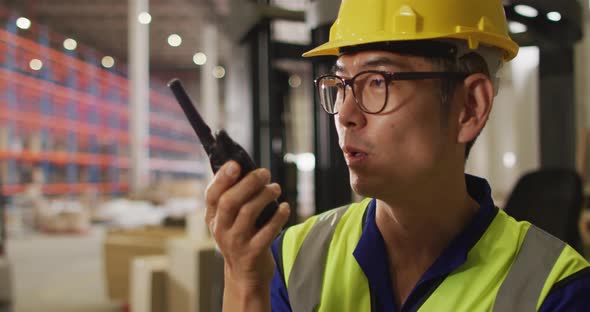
{"type": "Point", "coordinates": [223, 180]}
{"type": "Point", "coordinates": [235, 197]}
{"type": "Point", "coordinates": [269, 232]}
{"type": "Point", "coordinates": [244, 224]}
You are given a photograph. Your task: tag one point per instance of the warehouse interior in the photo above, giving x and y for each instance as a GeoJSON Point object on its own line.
{"type": "Point", "coordinates": [102, 178]}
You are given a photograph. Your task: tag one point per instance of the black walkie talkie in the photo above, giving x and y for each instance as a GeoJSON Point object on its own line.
{"type": "Point", "coordinates": [220, 148]}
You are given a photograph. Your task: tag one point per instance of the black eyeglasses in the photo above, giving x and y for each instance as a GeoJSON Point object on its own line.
{"type": "Point", "coordinates": [370, 88]}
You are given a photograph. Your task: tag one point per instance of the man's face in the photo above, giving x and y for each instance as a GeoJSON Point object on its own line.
{"type": "Point", "coordinates": [406, 145]}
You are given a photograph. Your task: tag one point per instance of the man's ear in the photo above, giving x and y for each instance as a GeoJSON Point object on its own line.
{"type": "Point", "coordinates": [478, 100]}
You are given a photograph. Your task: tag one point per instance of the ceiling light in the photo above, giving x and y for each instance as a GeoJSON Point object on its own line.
{"type": "Point", "coordinates": [70, 44]}
{"type": "Point", "coordinates": [509, 160]}
{"type": "Point", "coordinates": [554, 16]}
{"type": "Point", "coordinates": [144, 18]}
{"type": "Point", "coordinates": [218, 72]}
{"type": "Point", "coordinates": [516, 27]}
{"type": "Point", "coordinates": [294, 81]}
{"type": "Point", "coordinates": [108, 61]}
{"type": "Point", "coordinates": [36, 64]}
{"type": "Point", "coordinates": [174, 40]}
{"type": "Point", "coordinates": [304, 161]}
{"type": "Point", "coordinates": [23, 23]}
{"type": "Point", "coordinates": [526, 10]}
{"type": "Point", "coordinates": [200, 58]}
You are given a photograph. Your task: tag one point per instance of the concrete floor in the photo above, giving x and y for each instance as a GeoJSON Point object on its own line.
{"type": "Point", "coordinates": [59, 273]}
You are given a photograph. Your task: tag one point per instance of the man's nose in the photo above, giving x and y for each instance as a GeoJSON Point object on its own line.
{"type": "Point", "coordinates": [349, 113]}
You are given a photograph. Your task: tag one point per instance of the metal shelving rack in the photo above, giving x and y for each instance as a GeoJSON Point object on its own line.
{"type": "Point", "coordinates": [70, 118]}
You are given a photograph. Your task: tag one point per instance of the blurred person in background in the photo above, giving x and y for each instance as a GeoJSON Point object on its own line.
{"type": "Point", "coordinates": [411, 90]}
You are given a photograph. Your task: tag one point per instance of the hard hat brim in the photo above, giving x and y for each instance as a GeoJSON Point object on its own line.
{"type": "Point", "coordinates": [333, 48]}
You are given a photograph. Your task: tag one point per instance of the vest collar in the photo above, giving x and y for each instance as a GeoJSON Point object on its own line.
{"type": "Point", "coordinates": [371, 255]}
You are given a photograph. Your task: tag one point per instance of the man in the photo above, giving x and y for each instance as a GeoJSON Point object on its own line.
{"type": "Point", "coordinates": [411, 90]}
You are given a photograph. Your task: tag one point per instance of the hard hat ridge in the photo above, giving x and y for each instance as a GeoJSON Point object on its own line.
{"type": "Point", "coordinates": [476, 22]}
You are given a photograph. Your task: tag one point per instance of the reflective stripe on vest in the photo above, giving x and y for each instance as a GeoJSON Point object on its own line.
{"type": "Point", "coordinates": [305, 287]}
{"type": "Point", "coordinates": [521, 258]}
{"type": "Point", "coordinates": [522, 286]}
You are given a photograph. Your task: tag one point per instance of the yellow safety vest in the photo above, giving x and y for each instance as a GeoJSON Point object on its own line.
{"type": "Point", "coordinates": [511, 268]}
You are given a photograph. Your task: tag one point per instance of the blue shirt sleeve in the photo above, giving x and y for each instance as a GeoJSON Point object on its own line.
{"type": "Point", "coordinates": [279, 299]}
{"type": "Point", "coordinates": [573, 295]}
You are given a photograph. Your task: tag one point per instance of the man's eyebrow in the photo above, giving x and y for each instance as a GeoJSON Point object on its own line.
{"type": "Point", "coordinates": [385, 61]}
{"type": "Point", "coordinates": [337, 68]}
{"type": "Point", "coordinates": [374, 62]}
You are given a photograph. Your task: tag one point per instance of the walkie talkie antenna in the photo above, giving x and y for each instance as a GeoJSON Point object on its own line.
{"type": "Point", "coordinates": [199, 126]}
{"type": "Point", "coordinates": [221, 148]}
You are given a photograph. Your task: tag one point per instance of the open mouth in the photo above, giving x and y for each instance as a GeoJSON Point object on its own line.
{"type": "Point", "coordinates": [353, 155]}
{"type": "Point", "coordinates": [355, 158]}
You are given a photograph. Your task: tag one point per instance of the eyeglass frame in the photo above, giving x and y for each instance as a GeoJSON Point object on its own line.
{"type": "Point", "coordinates": [389, 77]}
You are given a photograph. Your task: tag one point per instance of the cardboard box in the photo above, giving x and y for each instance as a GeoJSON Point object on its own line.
{"type": "Point", "coordinates": [186, 188]}
{"type": "Point", "coordinates": [158, 193]}
{"type": "Point", "coordinates": [4, 139]}
{"type": "Point", "coordinates": [195, 276]}
{"type": "Point", "coordinates": [122, 246]}
{"type": "Point", "coordinates": [34, 142]}
{"type": "Point", "coordinates": [66, 222]}
{"type": "Point", "coordinates": [59, 215]}
{"type": "Point", "coordinates": [149, 284]}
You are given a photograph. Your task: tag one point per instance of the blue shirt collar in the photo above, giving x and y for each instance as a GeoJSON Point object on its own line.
{"type": "Point", "coordinates": [371, 254]}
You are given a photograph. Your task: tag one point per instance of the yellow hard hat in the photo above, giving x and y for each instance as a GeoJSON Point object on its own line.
{"type": "Point", "coordinates": [370, 21]}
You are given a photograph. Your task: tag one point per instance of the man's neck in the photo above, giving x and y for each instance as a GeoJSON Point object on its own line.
{"type": "Point", "coordinates": [430, 227]}
{"type": "Point", "coordinates": [417, 230]}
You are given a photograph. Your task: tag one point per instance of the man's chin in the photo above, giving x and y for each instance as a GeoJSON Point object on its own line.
{"type": "Point", "coordinates": [362, 189]}
{"type": "Point", "coordinates": [370, 188]}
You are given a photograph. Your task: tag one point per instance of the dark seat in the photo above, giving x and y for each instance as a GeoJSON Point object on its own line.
{"type": "Point", "coordinates": [552, 200]}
